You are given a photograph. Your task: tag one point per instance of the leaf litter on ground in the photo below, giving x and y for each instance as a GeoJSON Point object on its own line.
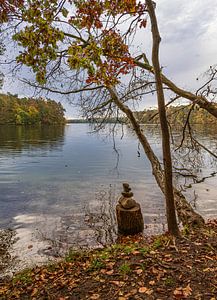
{"type": "Point", "coordinates": [159, 267]}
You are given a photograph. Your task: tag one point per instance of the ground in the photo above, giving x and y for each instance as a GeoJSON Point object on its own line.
{"type": "Point", "coordinates": [157, 268]}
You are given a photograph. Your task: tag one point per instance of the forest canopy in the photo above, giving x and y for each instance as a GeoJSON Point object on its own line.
{"type": "Point", "coordinates": [30, 111]}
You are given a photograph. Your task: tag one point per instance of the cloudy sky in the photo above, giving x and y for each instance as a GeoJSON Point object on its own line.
{"type": "Point", "coordinates": [189, 44]}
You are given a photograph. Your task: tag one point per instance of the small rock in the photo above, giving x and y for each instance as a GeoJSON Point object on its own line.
{"type": "Point", "coordinates": [127, 203]}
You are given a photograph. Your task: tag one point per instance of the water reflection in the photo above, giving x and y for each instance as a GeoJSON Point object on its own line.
{"type": "Point", "coordinates": [16, 139]}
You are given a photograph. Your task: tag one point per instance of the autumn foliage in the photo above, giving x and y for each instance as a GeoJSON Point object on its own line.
{"type": "Point", "coordinates": [8, 7]}
{"type": "Point", "coordinates": [91, 39]}
{"type": "Point", "coordinates": [29, 111]}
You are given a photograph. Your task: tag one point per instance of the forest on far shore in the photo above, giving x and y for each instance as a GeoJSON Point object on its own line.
{"type": "Point", "coordinates": [30, 111]}
{"type": "Point", "coordinates": [177, 116]}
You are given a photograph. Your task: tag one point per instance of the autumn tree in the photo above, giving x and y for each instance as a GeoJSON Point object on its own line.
{"type": "Point", "coordinates": [82, 47]}
{"type": "Point", "coordinates": [29, 111]}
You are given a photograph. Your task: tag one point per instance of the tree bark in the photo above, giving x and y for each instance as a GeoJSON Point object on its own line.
{"type": "Point", "coordinates": [185, 212]}
{"type": "Point", "coordinates": [168, 182]}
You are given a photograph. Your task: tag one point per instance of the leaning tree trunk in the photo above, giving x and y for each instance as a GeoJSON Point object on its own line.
{"type": "Point", "coordinates": [185, 212]}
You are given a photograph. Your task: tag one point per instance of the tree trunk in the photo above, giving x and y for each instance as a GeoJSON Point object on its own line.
{"type": "Point", "coordinates": [167, 161]}
{"type": "Point", "coordinates": [185, 212]}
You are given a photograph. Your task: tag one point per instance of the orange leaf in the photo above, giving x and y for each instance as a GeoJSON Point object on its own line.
{"type": "Point", "coordinates": [187, 291]}
{"type": "Point", "coordinates": [118, 283]}
{"type": "Point", "coordinates": [95, 297]}
{"type": "Point", "coordinates": [152, 282]}
{"type": "Point", "coordinates": [145, 290]}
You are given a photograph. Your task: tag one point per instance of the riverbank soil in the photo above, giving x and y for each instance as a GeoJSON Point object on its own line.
{"type": "Point", "coordinates": [134, 268]}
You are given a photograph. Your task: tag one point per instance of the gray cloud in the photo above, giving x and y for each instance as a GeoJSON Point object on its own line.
{"type": "Point", "coordinates": [183, 19]}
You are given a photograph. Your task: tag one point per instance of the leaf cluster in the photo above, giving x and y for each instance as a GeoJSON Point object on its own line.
{"type": "Point", "coordinates": [98, 48]}
{"type": "Point", "coordinates": [39, 37]}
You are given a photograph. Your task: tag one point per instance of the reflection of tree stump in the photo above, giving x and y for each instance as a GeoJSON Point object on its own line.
{"type": "Point", "coordinates": [130, 221]}
{"type": "Point", "coordinates": [128, 211]}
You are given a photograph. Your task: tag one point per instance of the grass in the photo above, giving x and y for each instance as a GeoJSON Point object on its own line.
{"type": "Point", "coordinates": [125, 268]}
{"type": "Point", "coordinates": [24, 277]}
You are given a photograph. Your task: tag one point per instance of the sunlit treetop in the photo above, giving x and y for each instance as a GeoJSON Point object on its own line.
{"type": "Point", "coordinates": [85, 33]}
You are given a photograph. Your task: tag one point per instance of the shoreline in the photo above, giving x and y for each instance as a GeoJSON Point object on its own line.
{"type": "Point", "coordinates": [135, 267]}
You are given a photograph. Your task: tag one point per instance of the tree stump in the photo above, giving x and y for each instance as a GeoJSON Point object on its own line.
{"type": "Point", "coordinates": [128, 212]}
{"type": "Point", "coordinates": [130, 221]}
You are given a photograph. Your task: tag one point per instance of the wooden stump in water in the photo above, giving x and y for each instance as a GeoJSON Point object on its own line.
{"type": "Point", "coordinates": [128, 212]}
{"type": "Point", "coordinates": [130, 221]}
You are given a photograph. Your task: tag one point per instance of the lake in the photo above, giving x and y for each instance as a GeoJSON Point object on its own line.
{"type": "Point", "coordinates": [56, 181]}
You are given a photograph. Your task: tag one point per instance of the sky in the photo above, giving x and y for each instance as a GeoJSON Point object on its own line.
{"type": "Point", "coordinates": [189, 46]}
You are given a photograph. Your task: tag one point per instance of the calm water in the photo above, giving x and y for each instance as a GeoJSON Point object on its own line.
{"type": "Point", "coordinates": [50, 176]}
{"type": "Point", "coordinates": [57, 171]}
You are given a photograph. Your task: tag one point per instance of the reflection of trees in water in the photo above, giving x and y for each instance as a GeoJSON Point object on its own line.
{"type": "Point", "coordinates": [191, 162]}
{"type": "Point", "coordinates": [191, 155]}
{"type": "Point", "coordinates": [195, 153]}
{"type": "Point", "coordinates": [195, 161]}
{"type": "Point", "coordinates": [94, 227]}
{"type": "Point", "coordinates": [18, 138]}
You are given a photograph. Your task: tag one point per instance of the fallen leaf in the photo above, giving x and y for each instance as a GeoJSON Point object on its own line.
{"type": "Point", "coordinates": [110, 265]}
{"type": "Point", "coordinates": [121, 293]}
{"type": "Point", "coordinates": [145, 290]}
{"type": "Point", "coordinates": [183, 292]}
{"type": "Point", "coordinates": [190, 267]}
{"type": "Point", "coordinates": [109, 272]}
{"type": "Point", "coordinates": [152, 282]}
{"type": "Point", "coordinates": [118, 283]}
{"type": "Point", "coordinates": [178, 293]}
{"type": "Point", "coordinates": [168, 259]}
{"type": "Point", "coordinates": [138, 271]}
{"type": "Point", "coordinates": [136, 252]}
{"type": "Point", "coordinates": [197, 244]}
{"type": "Point", "coordinates": [187, 291]}
{"type": "Point", "coordinates": [208, 257]}
{"type": "Point", "coordinates": [94, 297]}
{"type": "Point", "coordinates": [154, 270]}
{"type": "Point", "coordinates": [207, 270]}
